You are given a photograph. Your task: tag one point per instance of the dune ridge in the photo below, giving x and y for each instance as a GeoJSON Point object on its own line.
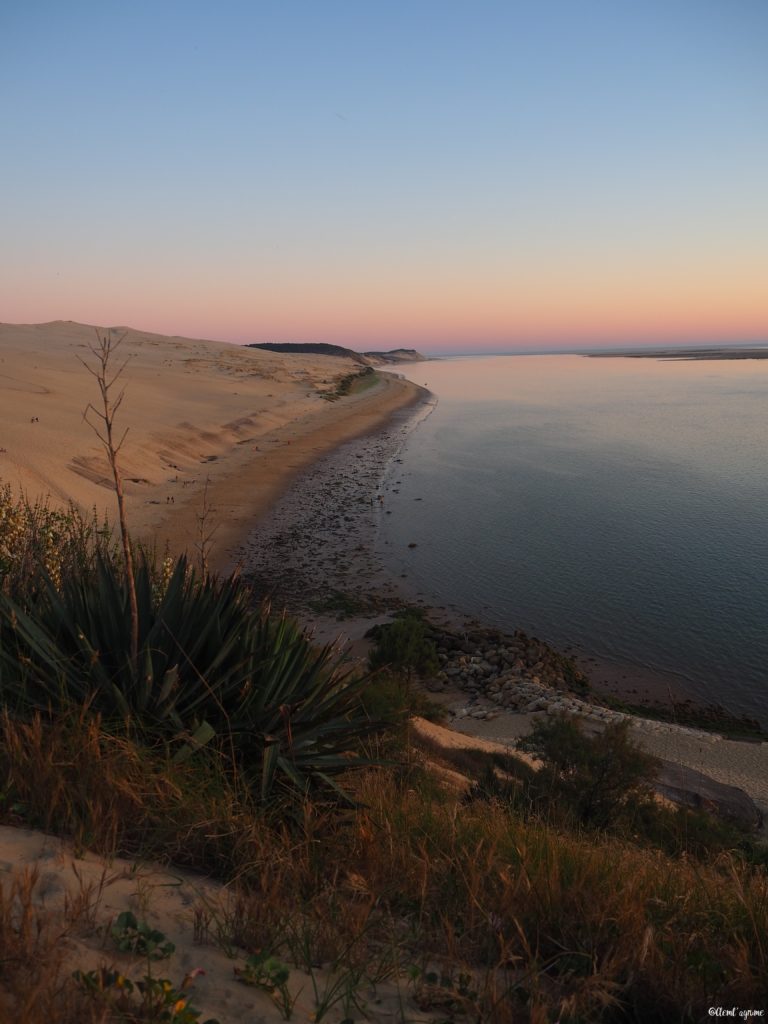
{"type": "Point", "coordinates": [243, 420]}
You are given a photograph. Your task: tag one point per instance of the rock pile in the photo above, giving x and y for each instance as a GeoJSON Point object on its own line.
{"type": "Point", "coordinates": [517, 673]}
{"type": "Point", "coordinates": [524, 675]}
{"type": "Point", "coordinates": [474, 660]}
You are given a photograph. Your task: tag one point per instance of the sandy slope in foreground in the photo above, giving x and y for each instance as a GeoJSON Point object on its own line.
{"type": "Point", "coordinates": [79, 897]}
{"type": "Point", "coordinates": [245, 419]}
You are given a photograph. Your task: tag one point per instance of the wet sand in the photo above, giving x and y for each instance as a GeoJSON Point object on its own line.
{"type": "Point", "coordinates": [315, 548]}
{"type": "Point", "coordinates": [250, 485]}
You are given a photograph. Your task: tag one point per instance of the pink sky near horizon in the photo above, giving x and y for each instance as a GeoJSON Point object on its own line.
{"type": "Point", "coordinates": [431, 314]}
{"type": "Point", "coordinates": [441, 175]}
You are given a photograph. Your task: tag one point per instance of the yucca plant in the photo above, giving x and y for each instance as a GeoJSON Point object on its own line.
{"type": "Point", "coordinates": [210, 670]}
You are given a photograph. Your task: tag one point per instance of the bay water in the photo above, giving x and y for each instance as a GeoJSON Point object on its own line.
{"type": "Point", "coordinates": [615, 504]}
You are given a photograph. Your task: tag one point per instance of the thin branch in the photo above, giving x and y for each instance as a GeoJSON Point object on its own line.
{"type": "Point", "coordinates": [103, 352]}
{"type": "Point", "coordinates": [205, 532]}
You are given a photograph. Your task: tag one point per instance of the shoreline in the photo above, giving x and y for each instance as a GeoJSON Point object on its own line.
{"type": "Point", "coordinates": [316, 552]}
{"type": "Point", "coordinates": [291, 480]}
{"type": "Point", "coordinates": [315, 542]}
{"type": "Point", "coordinates": [317, 548]}
{"type": "Point", "coordinates": [206, 425]}
{"type": "Point", "coordinates": [256, 476]}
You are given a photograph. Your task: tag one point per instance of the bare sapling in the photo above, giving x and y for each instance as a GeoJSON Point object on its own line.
{"type": "Point", "coordinates": [102, 422]}
{"type": "Point", "coordinates": [205, 530]}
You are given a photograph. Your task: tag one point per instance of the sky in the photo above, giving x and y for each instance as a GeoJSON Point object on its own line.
{"type": "Point", "coordinates": [451, 176]}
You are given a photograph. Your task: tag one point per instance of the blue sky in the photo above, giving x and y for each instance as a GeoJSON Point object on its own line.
{"type": "Point", "coordinates": [450, 175]}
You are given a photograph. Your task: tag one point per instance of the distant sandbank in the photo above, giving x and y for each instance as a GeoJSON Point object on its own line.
{"type": "Point", "coordinates": [748, 352]}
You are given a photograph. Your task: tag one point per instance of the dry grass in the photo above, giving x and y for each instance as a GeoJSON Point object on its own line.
{"type": "Point", "coordinates": [113, 796]}
{"type": "Point", "coordinates": [510, 920]}
{"type": "Point", "coordinates": [602, 917]}
{"type": "Point", "coordinates": [35, 983]}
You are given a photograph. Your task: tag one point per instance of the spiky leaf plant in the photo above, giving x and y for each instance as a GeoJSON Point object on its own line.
{"type": "Point", "coordinates": [211, 669]}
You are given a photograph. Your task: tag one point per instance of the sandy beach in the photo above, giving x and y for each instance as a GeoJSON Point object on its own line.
{"type": "Point", "coordinates": [244, 420]}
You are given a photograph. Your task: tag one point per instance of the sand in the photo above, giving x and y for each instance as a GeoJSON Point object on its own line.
{"type": "Point", "coordinates": [732, 762]}
{"type": "Point", "coordinates": [245, 420]}
{"type": "Point", "coordinates": [78, 898]}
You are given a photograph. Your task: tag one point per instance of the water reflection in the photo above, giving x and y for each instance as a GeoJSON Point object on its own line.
{"type": "Point", "coordinates": [616, 503]}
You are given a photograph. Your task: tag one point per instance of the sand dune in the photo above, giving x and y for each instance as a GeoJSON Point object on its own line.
{"type": "Point", "coordinates": [243, 419]}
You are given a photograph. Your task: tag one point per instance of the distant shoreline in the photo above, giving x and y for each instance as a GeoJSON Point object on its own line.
{"type": "Point", "coordinates": [683, 355]}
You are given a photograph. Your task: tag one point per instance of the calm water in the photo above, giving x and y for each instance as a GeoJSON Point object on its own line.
{"type": "Point", "coordinates": [618, 504]}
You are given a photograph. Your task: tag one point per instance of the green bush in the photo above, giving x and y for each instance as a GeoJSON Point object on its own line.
{"type": "Point", "coordinates": [403, 646]}
{"type": "Point", "coordinates": [599, 779]}
{"type": "Point", "coordinates": [211, 670]}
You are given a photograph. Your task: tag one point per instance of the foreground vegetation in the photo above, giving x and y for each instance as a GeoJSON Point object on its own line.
{"type": "Point", "coordinates": [524, 900]}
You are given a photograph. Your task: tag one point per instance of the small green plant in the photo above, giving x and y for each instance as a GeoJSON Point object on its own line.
{"type": "Point", "coordinates": [341, 984]}
{"type": "Point", "coordinates": [271, 975]}
{"type": "Point", "coordinates": [404, 646]}
{"type": "Point", "coordinates": [152, 1000]}
{"type": "Point", "coordinates": [136, 937]}
{"type": "Point", "coordinates": [341, 987]}
{"type": "Point", "coordinates": [443, 991]}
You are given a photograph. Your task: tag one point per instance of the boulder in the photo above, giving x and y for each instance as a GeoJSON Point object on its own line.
{"type": "Point", "coordinates": [694, 789]}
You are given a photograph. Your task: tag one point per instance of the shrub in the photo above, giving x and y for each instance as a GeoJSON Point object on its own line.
{"type": "Point", "coordinates": [210, 670]}
{"type": "Point", "coordinates": [35, 536]}
{"type": "Point", "coordinates": [404, 646]}
{"type": "Point", "coordinates": [598, 778]}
